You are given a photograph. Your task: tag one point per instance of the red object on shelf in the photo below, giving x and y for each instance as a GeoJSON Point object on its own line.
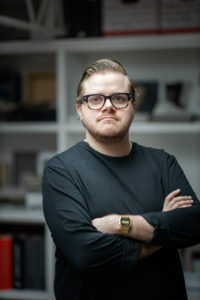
{"type": "Point", "coordinates": [5, 262]}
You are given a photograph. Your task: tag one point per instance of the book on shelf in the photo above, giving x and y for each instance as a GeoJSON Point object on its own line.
{"type": "Point", "coordinates": [23, 188]}
{"type": "Point", "coordinates": [146, 95]}
{"type": "Point", "coordinates": [39, 103]}
{"type": "Point", "coordinates": [129, 17]}
{"type": "Point", "coordinates": [34, 100]}
{"type": "Point", "coordinates": [10, 92]}
{"type": "Point", "coordinates": [34, 263]}
{"type": "Point", "coordinates": [4, 174]}
{"type": "Point", "coordinates": [40, 88]}
{"type": "Point", "coordinates": [35, 113]}
{"type": "Point", "coordinates": [24, 166]}
{"type": "Point", "coordinates": [28, 262]}
{"type": "Point", "coordinates": [6, 258]}
{"type": "Point", "coordinates": [22, 261]}
{"type": "Point", "coordinates": [177, 16]}
{"type": "Point", "coordinates": [18, 266]}
{"type": "Point", "coordinates": [10, 86]}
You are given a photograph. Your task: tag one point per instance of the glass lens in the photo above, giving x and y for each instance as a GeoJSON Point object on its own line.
{"type": "Point", "coordinates": [95, 101]}
{"type": "Point", "coordinates": [120, 100]}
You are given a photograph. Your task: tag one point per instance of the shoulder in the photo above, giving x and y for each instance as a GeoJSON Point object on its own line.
{"type": "Point", "coordinates": [150, 151]}
{"type": "Point", "coordinates": [67, 157]}
{"type": "Point", "coordinates": [63, 166]}
{"type": "Point", "coordinates": [160, 156]}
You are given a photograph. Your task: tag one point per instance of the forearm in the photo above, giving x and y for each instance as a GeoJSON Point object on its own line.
{"type": "Point", "coordinates": [140, 229]}
{"type": "Point", "coordinates": [177, 228]}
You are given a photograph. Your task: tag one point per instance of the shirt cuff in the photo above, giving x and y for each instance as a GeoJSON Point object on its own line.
{"type": "Point", "coordinates": [161, 233]}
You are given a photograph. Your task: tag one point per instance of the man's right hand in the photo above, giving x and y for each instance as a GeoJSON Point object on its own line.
{"type": "Point", "coordinates": [173, 201]}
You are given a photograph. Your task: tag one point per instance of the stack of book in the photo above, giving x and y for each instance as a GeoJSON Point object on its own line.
{"type": "Point", "coordinates": [22, 262]}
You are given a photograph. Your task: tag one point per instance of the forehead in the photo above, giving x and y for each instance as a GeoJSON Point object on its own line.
{"type": "Point", "coordinates": [106, 82]}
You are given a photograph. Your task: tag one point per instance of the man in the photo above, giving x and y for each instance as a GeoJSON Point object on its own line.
{"type": "Point", "coordinates": [118, 211]}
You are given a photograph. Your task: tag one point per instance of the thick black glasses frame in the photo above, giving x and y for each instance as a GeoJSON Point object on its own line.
{"type": "Point", "coordinates": [85, 99]}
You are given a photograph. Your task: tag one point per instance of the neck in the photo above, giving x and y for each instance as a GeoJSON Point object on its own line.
{"type": "Point", "coordinates": [117, 149]}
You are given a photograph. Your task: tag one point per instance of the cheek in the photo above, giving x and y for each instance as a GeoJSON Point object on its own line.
{"type": "Point", "coordinates": [88, 116]}
{"type": "Point", "coordinates": [133, 115]}
{"type": "Point", "coordinates": [128, 115]}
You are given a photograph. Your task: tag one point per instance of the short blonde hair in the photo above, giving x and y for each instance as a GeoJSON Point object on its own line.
{"type": "Point", "coordinates": [101, 65]}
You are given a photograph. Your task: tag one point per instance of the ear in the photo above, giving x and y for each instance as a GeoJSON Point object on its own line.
{"type": "Point", "coordinates": [134, 108]}
{"type": "Point", "coordinates": [134, 105]}
{"type": "Point", "coordinates": [79, 110]}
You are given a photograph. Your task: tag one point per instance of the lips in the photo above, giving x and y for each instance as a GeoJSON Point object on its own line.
{"type": "Point", "coordinates": [107, 118]}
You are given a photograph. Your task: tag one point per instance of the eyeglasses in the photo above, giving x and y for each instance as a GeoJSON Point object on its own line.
{"type": "Point", "coordinates": [97, 101]}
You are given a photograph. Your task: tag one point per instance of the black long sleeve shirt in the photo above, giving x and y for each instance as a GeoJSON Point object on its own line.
{"type": "Point", "coordinates": [81, 184]}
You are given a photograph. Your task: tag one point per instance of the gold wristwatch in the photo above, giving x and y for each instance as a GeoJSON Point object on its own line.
{"type": "Point", "coordinates": [125, 223]}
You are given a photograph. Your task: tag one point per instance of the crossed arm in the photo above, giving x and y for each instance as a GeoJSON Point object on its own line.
{"type": "Point", "coordinates": [141, 229]}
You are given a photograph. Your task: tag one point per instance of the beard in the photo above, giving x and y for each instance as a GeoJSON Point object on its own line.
{"type": "Point", "coordinates": [109, 136]}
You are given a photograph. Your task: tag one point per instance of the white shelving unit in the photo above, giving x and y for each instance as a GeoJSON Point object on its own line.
{"type": "Point", "coordinates": [155, 57]}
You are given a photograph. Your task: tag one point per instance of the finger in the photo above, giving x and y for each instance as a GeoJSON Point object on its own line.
{"type": "Point", "coordinates": [182, 203]}
{"type": "Point", "coordinates": [183, 206]}
{"type": "Point", "coordinates": [179, 203]}
{"type": "Point", "coordinates": [172, 195]}
{"type": "Point", "coordinates": [180, 199]}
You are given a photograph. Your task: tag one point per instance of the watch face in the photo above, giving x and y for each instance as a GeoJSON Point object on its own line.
{"type": "Point", "coordinates": [125, 221]}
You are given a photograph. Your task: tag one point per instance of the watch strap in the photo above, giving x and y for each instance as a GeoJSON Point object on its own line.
{"type": "Point", "coordinates": [125, 223]}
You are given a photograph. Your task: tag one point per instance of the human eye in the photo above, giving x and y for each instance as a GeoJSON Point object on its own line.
{"type": "Point", "coordinates": [120, 98]}
{"type": "Point", "coordinates": [95, 99]}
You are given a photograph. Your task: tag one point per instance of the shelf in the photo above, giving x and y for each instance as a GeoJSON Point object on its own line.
{"type": "Point", "coordinates": [165, 127]}
{"type": "Point", "coordinates": [133, 43]}
{"type": "Point", "coordinates": [24, 295]}
{"type": "Point", "coordinates": [161, 57]}
{"type": "Point", "coordinates": [72, 127]}
{"type": "Point", "coordinates": [143, 42]}
{"type": "Point", "coordinates": [33, 127]}
{"type": "Point", "coordinates": [21, 215]}
{"type": "Point", "coordinates": [147, 127]}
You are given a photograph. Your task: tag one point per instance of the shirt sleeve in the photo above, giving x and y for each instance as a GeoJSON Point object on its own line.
{"type": "Point", "coordinates": [180, 227]}
{"type": "Point", "coordinates": [69, 220]}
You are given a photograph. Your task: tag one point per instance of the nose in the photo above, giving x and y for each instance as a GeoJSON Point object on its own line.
{"type": "Point", "coordinates": [108, 105]}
